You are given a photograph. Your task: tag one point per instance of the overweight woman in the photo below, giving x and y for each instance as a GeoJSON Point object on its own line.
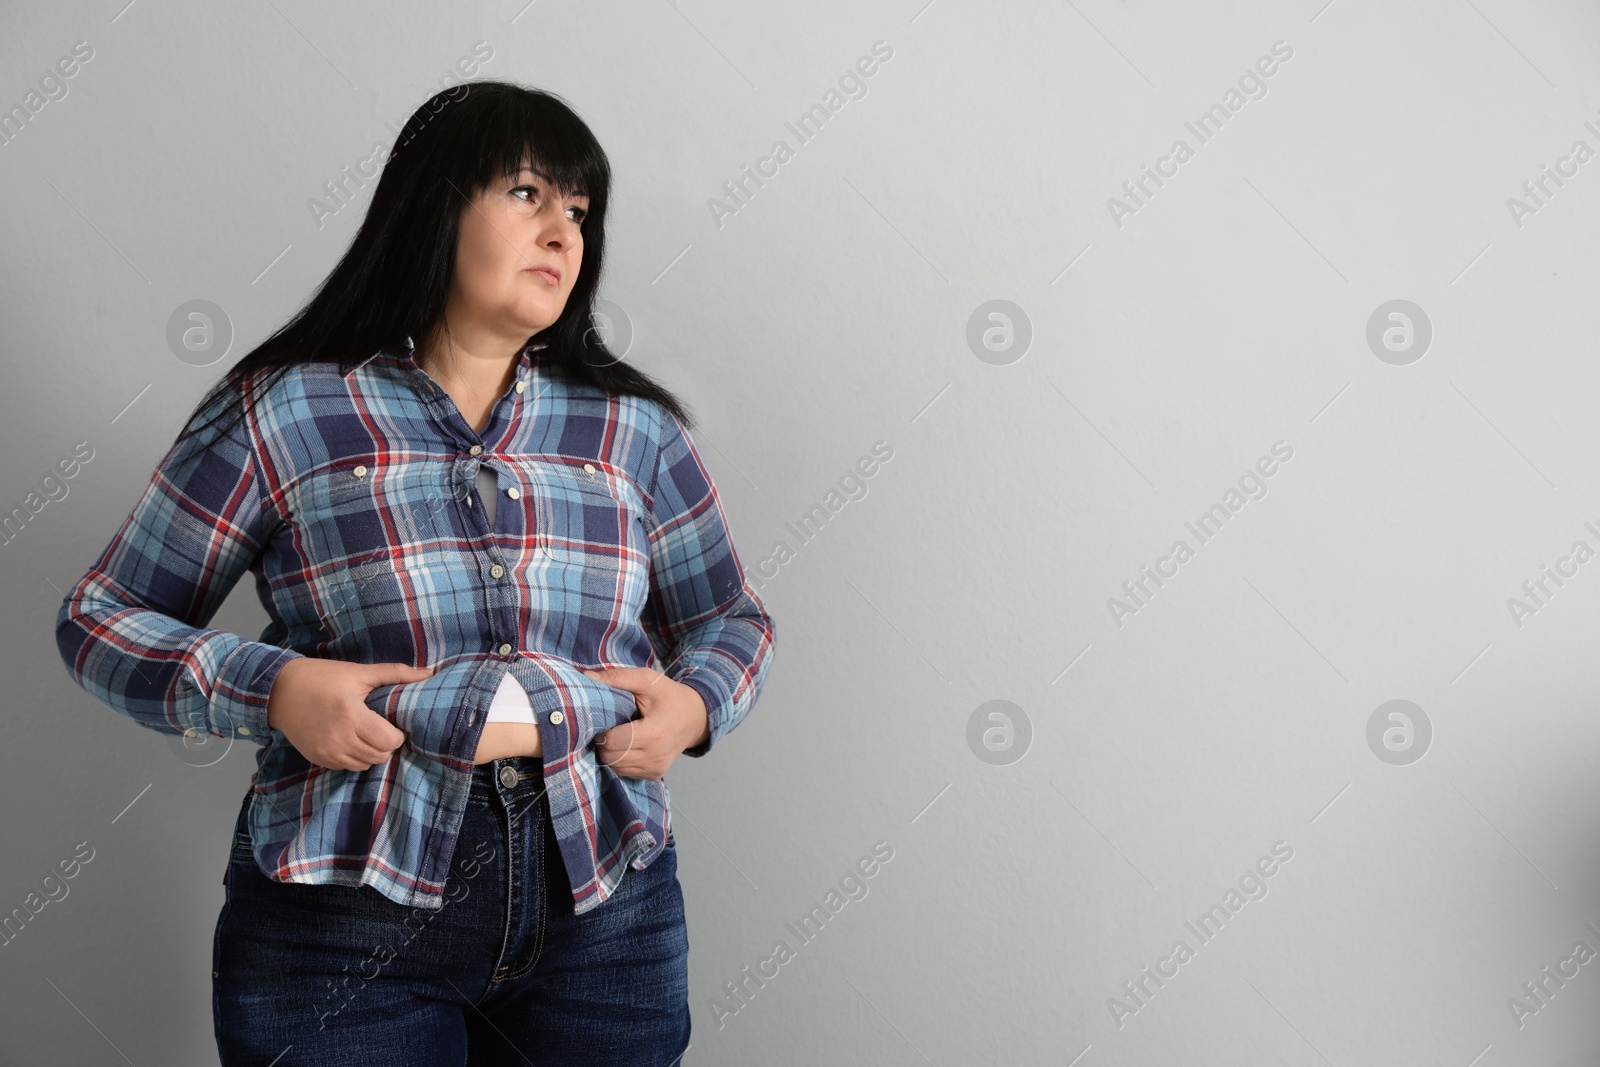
{"type": "Point", "coordinates": [503, 600]}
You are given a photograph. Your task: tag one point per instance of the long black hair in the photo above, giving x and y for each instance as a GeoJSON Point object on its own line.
{"type": "Point", "coordinates": [394, 280]}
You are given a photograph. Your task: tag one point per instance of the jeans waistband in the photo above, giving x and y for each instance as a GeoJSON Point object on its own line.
{"type": "Point", "coordinates": [511, 777]}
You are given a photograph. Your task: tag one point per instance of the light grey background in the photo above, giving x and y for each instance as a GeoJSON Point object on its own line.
{"type": "Point", "coordinates": [1164, 756]}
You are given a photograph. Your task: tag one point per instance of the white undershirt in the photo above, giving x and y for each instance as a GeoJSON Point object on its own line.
{"type": "Point", "coordinates": [510, 703]}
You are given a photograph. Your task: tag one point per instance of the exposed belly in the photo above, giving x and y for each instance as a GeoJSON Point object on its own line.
{"type": "Point", "coordinates": [502, 739]}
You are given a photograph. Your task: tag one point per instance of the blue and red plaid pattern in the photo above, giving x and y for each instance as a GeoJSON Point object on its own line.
{"type": "Point", "coordinates": [353, 500]}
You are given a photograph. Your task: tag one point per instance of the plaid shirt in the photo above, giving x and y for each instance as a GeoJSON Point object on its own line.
{"type": "Point", "coordinates": [352, 498]}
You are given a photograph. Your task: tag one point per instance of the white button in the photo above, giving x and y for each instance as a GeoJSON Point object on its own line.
{"type": "Point", "coordinates": [497, 571]}
{"type": "Point", "coordinates": [556, 718]}
{"type": "Point", "coordinates": [514, 493]}
{"type": "Point", "coordinates": [520, 386]}
{"type": "Point", "coordinates": [505, 650]}
{"type": "Point", "coordinates": [360, 471]}
{"type": "Point", "coordinates": [475, 449]}
{"type": "Point", "coordinates": [191, 732]}
{"type": "Point", "coordinates": [244, 730]}
{"type": "Point", "coordinates": [589, 467]}
{"type": "Point", "coordinates": [472, 717]}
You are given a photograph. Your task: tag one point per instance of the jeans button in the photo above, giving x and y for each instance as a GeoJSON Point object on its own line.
{"type": "Point", "coordinates": [508, 776]}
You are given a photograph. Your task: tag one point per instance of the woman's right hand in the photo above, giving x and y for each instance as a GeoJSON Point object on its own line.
{"type": "Point", "coordinates": [320, 706]}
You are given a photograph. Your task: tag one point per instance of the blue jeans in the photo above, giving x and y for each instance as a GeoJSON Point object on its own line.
{"type": "Point", "coordinates": [505, 973]}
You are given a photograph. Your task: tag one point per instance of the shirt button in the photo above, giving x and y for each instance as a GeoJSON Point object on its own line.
{"type": "Point", "coordinates": [589, 468]}
{"type": "Point", "coordinates": [475, 449]}
{"type": "Point", "coordinates": [191, 732]}
{"type": "Point", "coordinates": [244, 730]}
{"type": "Point", "coordinates": [520, 386]}
{"type": "Point", "coordinates": [505, 650]}
{"type": "Point", "coordinates": [508, 776]}
{"type": "Point", "coordinates": [360, 471]}
{"type": "Point", "coordinates": [497, 571]}
{"type": "Point", "coordinates": [472, 717]}
{"type": "Point", "coordinates": [556, 718]}
{"type": "Point", "coordinates": [514, 493]}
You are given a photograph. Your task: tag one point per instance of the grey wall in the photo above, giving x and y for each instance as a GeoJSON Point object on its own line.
{"type": "Point", "coordinates": [1065, 785]}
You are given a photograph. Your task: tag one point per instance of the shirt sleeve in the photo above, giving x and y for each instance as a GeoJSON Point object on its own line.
{"type": "Point", "coordinates": [132, 632]}
{"type": "Point", "coordinates": [717, 631]}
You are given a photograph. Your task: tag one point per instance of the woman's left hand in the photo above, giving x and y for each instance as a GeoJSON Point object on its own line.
{"type": "Point", "coordinates": [673, 718]}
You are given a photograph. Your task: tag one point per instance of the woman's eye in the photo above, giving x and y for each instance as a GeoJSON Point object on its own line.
{"type": "Point", "coordinates": [582, 212]}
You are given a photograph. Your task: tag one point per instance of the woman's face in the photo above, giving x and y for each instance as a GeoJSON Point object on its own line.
{"type": "Point", "coordinates": [511, 228]}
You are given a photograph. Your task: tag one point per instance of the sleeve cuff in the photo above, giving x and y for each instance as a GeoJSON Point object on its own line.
{"type": "Point", "coordinates": [715, 693]}
{"type": "Point", "coordinates": [243, 686]}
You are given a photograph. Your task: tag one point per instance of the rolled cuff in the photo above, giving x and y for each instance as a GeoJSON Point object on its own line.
{"type": "Point", "coordinates": [714, 691]}
{"type": "Point", "coordinates": [244, 684]}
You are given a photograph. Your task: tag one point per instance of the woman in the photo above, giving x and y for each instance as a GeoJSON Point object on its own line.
{"type": "Point", "coordinates": [503, 600]}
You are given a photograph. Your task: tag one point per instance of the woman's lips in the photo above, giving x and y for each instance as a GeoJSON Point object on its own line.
{"type": "Point", "coordinates": [545, 273]}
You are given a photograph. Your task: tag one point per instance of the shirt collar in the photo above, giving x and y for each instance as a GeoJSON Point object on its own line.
{"type": "Point", "coordinates": [405, 352]}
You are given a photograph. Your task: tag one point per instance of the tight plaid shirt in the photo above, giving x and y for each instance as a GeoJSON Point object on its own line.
{"type": "Point", "coordinates": [352, 499]}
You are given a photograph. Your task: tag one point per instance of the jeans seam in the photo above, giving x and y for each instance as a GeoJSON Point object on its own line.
{"type": "Point", "coordinates": [510, 878]}
{"type": "Point", "coordinates": [216, 957]}
{"type": "Point", "coordinates": [537, 888]}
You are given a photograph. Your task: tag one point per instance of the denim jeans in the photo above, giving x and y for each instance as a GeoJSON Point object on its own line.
{"type": "Point", "coordinates": [505, 973]}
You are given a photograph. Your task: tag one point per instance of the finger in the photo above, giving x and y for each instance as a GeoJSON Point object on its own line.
{"type": "Point", "coordinates": [633, 679]}
{"type": "Point", "coordinates": [354, 748]}
{"type": "Point", "coordinates": [390, 673]}
{"type": "Point", "coordinates": [372, 753]}
{"type": "Point", "coordinates": [607, 755]}
{"type": "Point", "coordinates": [377, 732]}
{"type": "Point", "coordinates": [365, 756]}
{"type": "Point", "coordinates": [617, 741]}
{"type": "Point", "coordinates": [634, 767]}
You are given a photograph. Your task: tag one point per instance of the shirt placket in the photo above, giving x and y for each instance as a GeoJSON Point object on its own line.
{"type": "Point", "coordinates": [494, 575]}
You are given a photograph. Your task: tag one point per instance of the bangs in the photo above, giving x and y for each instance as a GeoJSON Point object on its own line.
{"type": "Point", "coordinates": [542, 133]}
